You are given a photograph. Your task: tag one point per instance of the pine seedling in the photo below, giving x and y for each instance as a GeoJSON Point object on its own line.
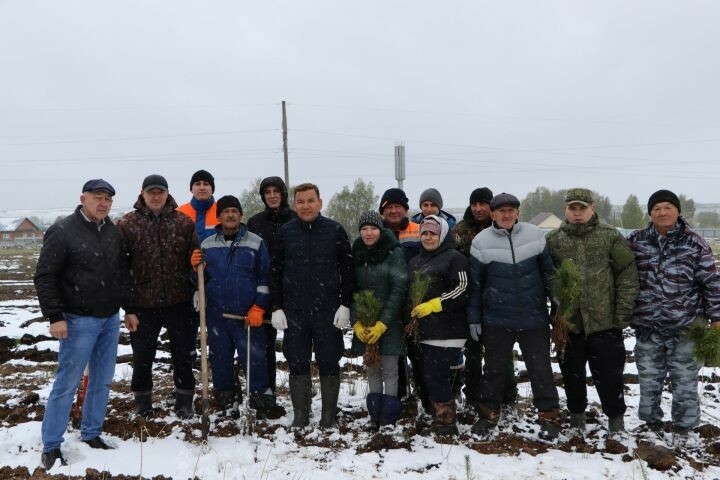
{"type": "Point", "coordinates": [418, 289]}
{"type": "Point", "coordinates": [707, 343]}
{"type": "Point", "coordinates": [367, 310]}
{"type": "Point", "coordinates": [567, 288]}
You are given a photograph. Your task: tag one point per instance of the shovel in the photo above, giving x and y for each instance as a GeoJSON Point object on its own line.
{"type": "Point", "coordinates": [248, 421]}
{"type": "Point", "coordinates": [203, 353]}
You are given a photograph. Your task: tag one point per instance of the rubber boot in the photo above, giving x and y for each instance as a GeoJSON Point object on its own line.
{"type": "Point", "coordinates": [578, 421]}
{"type": "Point", "coordinates": [374, 406]}
{"type": "Point", "coordinates": [184, 403]}
{"type": "Point", "coordinates": [300, 396]}
{"type": "Point", "coordinates": [390, 411]}
{"type": "Point", "coordinates": [444, 418]}
{"type": "Point", "coordinates": [329, 390]}
{"type": "Point", "coordinates": [616, 424]}
{"type": "Point", "coordinates": [227, 402]}
{"type": "Point", "coordinates": [143, 403]}
{"type": "Point", "coordinates": [487, 421]}
{"type": "Point", "coordinates": [550, 424]}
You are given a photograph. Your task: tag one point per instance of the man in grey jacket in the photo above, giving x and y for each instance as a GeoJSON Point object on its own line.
{"type": "Point", "coordinates": [510, 283]}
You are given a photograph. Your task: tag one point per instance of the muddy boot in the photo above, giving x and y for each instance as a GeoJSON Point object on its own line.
{"type": "Point", "coordinates": [263, 403]}
{"type": "Point", "coordinates": [390, 411]}
{"type": "Point", "coordinates": [578, 421]}
{"type": "Point", "coordinates": [226, 401]}
{"type": "Point", "coordinates": [329, 391]}
{"type": "Point", "coordinates": [550, 424]}
{"type": "Point", "coordinates": [300, 396]}
{"type": "Point", "coordinates": [444, 418]}
{"type": "Point", "coordinates": [616, 428]}
{"type": "Point", "coordinates": [143, 403]}
{"type": "Point", "coordinates": [487, 421]}
{"type": "Point", "coordinates": [374, 406]}
{"type": "Point", "coordinates": [184, 403]}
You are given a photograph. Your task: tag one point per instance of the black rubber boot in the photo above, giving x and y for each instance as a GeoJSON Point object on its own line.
{"type": "Point", "coordinates": [300, 396]}
{"type": "Point", "coordinates": [330, 390]}
{"type": "Point", "coordinates": [184, 404]}
{"type": "Point", "coordinates": [143, 403]}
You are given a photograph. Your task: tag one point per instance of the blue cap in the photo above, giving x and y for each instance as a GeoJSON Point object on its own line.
{"type": "Point", "coordinates": [98, 185]}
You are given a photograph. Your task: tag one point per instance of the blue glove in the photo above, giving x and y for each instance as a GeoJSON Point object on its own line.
{"type": "Point", "coordinates": [475, 331]}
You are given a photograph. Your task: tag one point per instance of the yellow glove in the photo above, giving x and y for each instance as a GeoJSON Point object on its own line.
{"type": "Point", "coordinates": [376, 332]}
{"type": "Point", "coordinates": [360, 331]}
{"type": "Point", "coordinates": [426, 308]}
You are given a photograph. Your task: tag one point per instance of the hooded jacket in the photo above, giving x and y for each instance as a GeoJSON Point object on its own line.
{"type": "Point", "coordinates": [160, 248]}
{"type": "Point", "coordinates": [510, 278]}
{"type": "Point", "coordinates": [607, 269]}
{"type": "Point", "coordinates": [268, 222]}
{"type": "Point", "coordinates": [679, 281]}
{"type": "Point", "coordinates": [447, 269]}
{"type": "Point", "coordinates": [382, 269]}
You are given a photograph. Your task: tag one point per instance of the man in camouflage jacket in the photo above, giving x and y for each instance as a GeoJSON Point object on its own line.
{"type": "Point", "coordinates": [609, 287]}
{"type": "Point", "coordinates": [679, 285]}
{"type": "Point", "coordinates": [160, 241]}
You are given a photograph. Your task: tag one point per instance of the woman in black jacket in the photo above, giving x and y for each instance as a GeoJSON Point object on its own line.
{"type": "Point", "coordinates": [442, 327]}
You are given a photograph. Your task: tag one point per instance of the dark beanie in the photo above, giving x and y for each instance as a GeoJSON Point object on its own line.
{"type": "Point", "coordinates": [370, 217]}
{"type": "Point", "coordinates": [203, 175]}
{"type": "Point", "coordinates": [503, 199]}
{"type": "Point", "coordinates": [482, 195]}
{"type": "Point", "coordinates": [394, 195]}
{"type": "Point", "coordinates": [431, 195]}
{"type": "Point", "coordinates": [226, 202]}
{"type": "Point", "coordinates": [663, 196]}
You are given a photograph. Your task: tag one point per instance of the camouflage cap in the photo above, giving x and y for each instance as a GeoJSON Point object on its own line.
{"type": "Point", "coordinates": [582, 196]}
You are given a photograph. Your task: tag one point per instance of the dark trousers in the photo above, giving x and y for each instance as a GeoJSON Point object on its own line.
{"type": "Point", "coordinates": [605, 353]}
{"type": "Point", "coordinates": [177, 320]}
{"type": "Point", "coordinates": [312, 329]}
{"type": "Point", "coordinates": [474, 374]}
{"type": "Point", "coordinates": [270, 356]}
{"type": "Point", "coordinates": [535, 347]}
{"type": "Point", "coordinates": [437, 375]}
{"type": "Point", "coordinates": [413, 374]}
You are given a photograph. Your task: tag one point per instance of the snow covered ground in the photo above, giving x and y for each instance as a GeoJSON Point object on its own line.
{"type": "Point", "coordinates": [317, 454]}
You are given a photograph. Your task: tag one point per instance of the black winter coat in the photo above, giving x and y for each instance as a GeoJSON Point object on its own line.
{"type": "Point", "coordinates": [267, 223]}
{"type": "Point", "coordinates": [82, 270]}
{"type": "Point", "coordinates": [448, 270]}
{"type": "Point", "coordinates": [312, 267]}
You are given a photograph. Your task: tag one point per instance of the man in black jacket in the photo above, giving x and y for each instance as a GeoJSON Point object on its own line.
{"type": "Point", "coordinates": [82, 279]}
{"type": "Point", "coordinates": [311, 286]}
{"type": "Point", "coordinates": [274, 194]}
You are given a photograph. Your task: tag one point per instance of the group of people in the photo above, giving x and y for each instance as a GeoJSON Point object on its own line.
{"type": "Point", "coordinates": [451, 297]}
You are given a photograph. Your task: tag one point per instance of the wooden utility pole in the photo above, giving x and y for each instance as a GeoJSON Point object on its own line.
{"type": "Point", "coordinates": [285, 146]}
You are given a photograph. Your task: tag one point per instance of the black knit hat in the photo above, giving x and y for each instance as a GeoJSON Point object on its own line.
{"type": "Point", "coordinates": [393, 195]}
{"type": "Point", "coordinates": [663, 196]}
{"type": "Point", "coordinates": [503, 199]}
{"type": "Point", "coordinates": [482, 195]}
{"type": "Point", "coordinates": [227, 201]}
{"type": "Point", "coordinates": [370, 217]}
{"type": "Point", "coordinates": [205, 176]}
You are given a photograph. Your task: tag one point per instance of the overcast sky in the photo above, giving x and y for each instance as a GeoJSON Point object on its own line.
{"type": "Point", "coordinates": [619, 96]}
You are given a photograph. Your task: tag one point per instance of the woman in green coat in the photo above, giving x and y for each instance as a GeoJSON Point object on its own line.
{"type": "Point", "coordinates": [380, 268]}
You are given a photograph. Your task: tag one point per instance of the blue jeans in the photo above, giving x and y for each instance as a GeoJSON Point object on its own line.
{"type": "Point", "coordinates": [90, 341]}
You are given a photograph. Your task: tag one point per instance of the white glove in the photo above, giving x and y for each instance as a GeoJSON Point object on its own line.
{"type": "Point", "coordinates": [196, 301]}
{"type": "Point", "coordinates": [342, 317]}
{"type": "Point", "coordinates": [278, 320]}
{"type": "Point", "coordinates": [475, 331]}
